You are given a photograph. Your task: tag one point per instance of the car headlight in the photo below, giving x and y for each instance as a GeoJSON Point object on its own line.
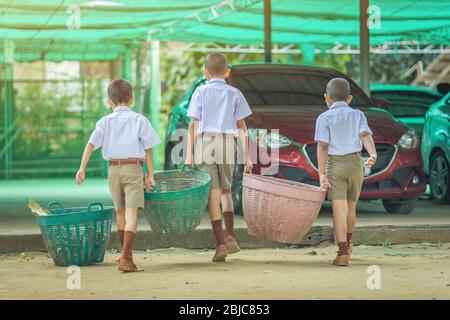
{"type": "Point", "coordinates": [272, 140]}
{"type": "Point", "coordinates": [409, 140]}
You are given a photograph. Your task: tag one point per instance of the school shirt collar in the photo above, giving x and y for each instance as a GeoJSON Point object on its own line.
{"type": "Point", "coordinates": [121, 108]}
{"type": "Point", "coordinates": [339, 104]}
{"type": "Point", "coordinates": [217, 80]}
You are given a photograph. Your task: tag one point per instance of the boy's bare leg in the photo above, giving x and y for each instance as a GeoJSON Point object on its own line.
{"type": "Point", "coordinates": [228, 214]}
{"type": "Point", "coordinates": [120, 222]}
{"type": "Point", "coordinates": [340, 213]}
{"type": "Point", "coordinates": [126, 264]}
{"type": "Point", "coordinates": [351, 220]}
{"type": "Point", "coordinates": [351, 216]}
{"type": "Point", "coordinates": [131, 219]}
{"type": "Point", "coordinates": [215, 213]}
{"type": "Point", "coordinates": [216, 221]}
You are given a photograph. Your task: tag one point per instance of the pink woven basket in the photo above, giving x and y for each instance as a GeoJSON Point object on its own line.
{"type": "Point", "coordinates": [279, 210]}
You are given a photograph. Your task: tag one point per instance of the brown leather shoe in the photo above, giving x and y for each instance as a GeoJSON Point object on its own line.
{"type": "Point", "coordinates": [341, 260]}
{"type": "Point", "coordinates": [130, 257]}
{"type": "Point", "coordinates": [350, 249]}
{"type": "Point", "coordinates": [221, 253]}
{"type": "Point", "coordinates": [232, 245]}
{"type": "Point", "coordinates": [127, 265]}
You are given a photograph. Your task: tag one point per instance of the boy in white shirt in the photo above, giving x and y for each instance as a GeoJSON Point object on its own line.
{"type": "Point", "coordinates": [126, 139]}
{"type": "Point", "coordinates": [217, 113]}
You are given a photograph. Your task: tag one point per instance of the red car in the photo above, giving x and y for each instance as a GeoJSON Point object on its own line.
{"type": "Point", "coordinates": [290, 98]}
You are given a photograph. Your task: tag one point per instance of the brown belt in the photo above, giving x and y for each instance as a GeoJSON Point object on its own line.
{"type": "Point", "coordinates": [125, 161]}
{"type": "Point", "coordinates": [213, 134]}
{"type": "Point", "coordinates": [346, 155]}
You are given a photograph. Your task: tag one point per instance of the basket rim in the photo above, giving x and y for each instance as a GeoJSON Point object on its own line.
{"type": "Point", "coordinates": [285, 181]}
{"type": "Point", "coordinates": [106, 209]}
{"type": "Point", "coordinates": [184, 190]}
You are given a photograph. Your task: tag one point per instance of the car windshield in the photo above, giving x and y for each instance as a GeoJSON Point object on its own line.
{"type": "Point", "coordinates": [289, 88]}
{"type": "Point", "coordinates": [406, 103]}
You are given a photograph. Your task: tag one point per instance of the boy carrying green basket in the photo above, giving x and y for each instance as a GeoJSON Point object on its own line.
{"type": "Point", "coordinates": [126, 139]}
{"type": "Point", "coordinates": [217, 113]}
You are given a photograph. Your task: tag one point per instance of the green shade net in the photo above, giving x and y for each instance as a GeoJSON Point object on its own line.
{"type": "Point", "coordinates": [40, 29]}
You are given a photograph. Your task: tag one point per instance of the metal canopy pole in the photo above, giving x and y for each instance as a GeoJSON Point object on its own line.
{"type": "Point", "coordinates": [364, 46]}
{"type": "Point", "coordinates": [155, 97]}
{"type": "Point", "coordinates": [267, 31]}
{"type": "Point", "coordinates": [126, 63]}
{"type": "Point", "coordinates": [137, 87]}
{"type": "Point", "coordinates": [8, 105]}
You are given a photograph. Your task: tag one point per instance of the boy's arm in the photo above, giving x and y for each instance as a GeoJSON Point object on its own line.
{"type": "Point", "coordinates": [322, 156]}
{"type": "Point", "coordinates": [243, 136]}
{"type": "Point", "coordinates": [369, 144]}
{"type": "Point", "coordinates": [365, 134]}
{"type": "Point", "coordinates": [192, 129]}
{"type": "Point", "coordinates": [81, 174]}
{"type": "Point", "coordinates": [150, 177]}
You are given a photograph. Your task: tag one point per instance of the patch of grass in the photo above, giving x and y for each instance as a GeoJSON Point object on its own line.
{"type": "Point", "coordinates": [386, 243]}
{"type": "Point", "coordinates": [397, 254]}
{"type": "Point", "coordinates": [366, 240]}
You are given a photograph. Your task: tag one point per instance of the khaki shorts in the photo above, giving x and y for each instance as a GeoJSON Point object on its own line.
{"type": "Point", "coordinates": [126, 183]}
{"type": "Point", "coordinates": [216, 156]}
{"type": "Point", "coordinates": [345, 174]}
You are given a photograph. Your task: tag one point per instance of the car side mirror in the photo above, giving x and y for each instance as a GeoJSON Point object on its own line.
{"type": "Point", "coordinates": [381, 103]}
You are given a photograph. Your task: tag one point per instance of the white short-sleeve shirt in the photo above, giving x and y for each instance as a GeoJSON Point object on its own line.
{"type": "Point", "coordinates": [124, 134]}
{"type": "Point", "coordinates": [218, 106]}
{"type": "Point", "coordinates": [340, 126]}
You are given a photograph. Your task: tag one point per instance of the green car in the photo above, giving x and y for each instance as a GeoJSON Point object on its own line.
{"type": "Point", "coordinates": [436, 148]}
{"type": "Point", "coordinates": [407, 103]}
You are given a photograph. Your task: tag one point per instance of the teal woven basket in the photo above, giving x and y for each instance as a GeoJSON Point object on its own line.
{"type": "Point", "coordinates": [178, 202]}
{"type": "Point", "coordinates": [76, 236]}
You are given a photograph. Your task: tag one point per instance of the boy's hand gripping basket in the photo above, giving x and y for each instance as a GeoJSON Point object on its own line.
{"type": "Point", "coordinates": [178, 202]}
{"type": "Point", "coordinates": [76, 236]}
{"type": "Point", "coordinates": [279, 210]}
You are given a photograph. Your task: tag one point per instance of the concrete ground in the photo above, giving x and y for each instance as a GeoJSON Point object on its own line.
{"type": "Point", "coordinates": [402, 272]}
{"type": "Point", "coordinates": [16, 218]}
{"type": "Point", "coordinates": [408, 271]}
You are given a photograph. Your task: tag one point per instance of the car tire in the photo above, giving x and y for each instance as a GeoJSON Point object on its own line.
{"type": "Point", "coordinates": [439, 177]}
{"type": "Point", "coordinates": [399, 206]}
{"type": "Point", "coordinates": [237, 189]}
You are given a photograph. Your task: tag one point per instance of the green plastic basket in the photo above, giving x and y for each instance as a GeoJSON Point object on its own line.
{"type": "Point", "coordinates": [76, 236]}
{"type": "Point", "coordinates": [178, 202]}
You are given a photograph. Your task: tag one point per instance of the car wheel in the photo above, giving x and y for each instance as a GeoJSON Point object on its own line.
{"type": "Point", "coordinates": [399, 206]}
{"type": "Point", "coordinates": [439, 177]}
{"type": "Point", "coordinates": [237, 189]}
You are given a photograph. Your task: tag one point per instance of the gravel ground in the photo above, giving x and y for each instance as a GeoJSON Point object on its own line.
{"type": "Point", "coordinates": [419, 271]}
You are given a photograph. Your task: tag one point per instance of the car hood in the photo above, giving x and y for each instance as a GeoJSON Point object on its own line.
{"type": "Point", "coordinates": [298, 123]}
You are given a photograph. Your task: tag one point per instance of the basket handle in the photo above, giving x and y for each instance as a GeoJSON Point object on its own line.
{"type": "Point", "coordinates": [51, 206]}
{"type": "Point", "coordinates": [184, 167]}
{"type": "Point", "coordinates": [155, 187]}
{"type": "Point", "coordinates": [158, 192]}
{"type": "Point", "coordinates": [93, 204]}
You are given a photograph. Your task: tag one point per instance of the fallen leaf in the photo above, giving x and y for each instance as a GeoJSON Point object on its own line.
{"type": "Point", "coordinates": [37, 209]}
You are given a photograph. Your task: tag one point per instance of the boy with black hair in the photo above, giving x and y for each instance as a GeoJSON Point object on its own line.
{"type": "Point", "coordinates": [126, 139]}
{"type": "Point", "coordinates": [340, 132]}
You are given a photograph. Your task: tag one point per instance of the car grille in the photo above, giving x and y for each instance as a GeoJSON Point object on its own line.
{"type": "Point", "coordinates": [398, 179]}
{"type": "Point", "coordinates": [385, 152]}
